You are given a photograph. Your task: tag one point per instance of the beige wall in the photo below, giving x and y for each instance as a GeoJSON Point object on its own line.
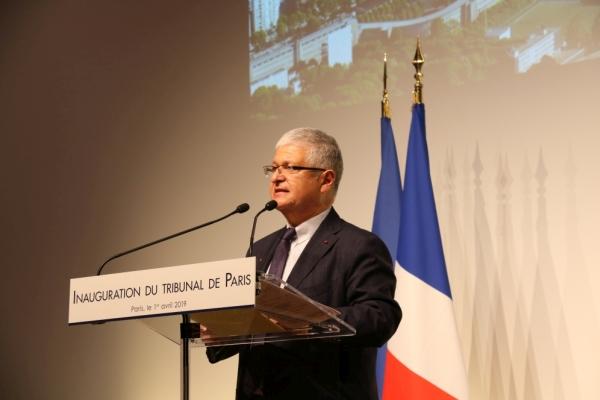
{"type": "Point", "coordinates": [125, 122]}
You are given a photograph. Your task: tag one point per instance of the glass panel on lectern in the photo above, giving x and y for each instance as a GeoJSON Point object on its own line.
{"type": "Point", "coordinates": [281, 313]}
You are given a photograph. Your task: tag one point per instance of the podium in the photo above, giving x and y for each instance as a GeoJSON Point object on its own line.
{"type": "Point", "coordinates": [221, 303]}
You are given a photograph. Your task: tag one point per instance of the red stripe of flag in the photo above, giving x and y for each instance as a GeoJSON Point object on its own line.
{"type": "Point", "coordinates": [400, 383]}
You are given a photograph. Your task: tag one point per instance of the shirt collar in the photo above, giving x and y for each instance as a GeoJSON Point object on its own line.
{"type": "Point", "coordinates": [305, 230]}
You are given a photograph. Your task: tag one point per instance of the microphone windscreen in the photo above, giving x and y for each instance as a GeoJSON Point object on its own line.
{"type": "Point", "coordinates": [271, 205]}
{"type": "Point", "coordinates": [242, 208]}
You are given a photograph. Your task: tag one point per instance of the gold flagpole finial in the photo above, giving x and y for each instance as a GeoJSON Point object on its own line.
{"type": "Point", "coordinates": [385, 102]}
{"type": "Point", "coordinates": [418, 62]}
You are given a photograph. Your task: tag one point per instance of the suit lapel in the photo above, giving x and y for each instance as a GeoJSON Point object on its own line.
{"type": "Point", "coordinates": [322, 241]}
{"type": "Point", "coordinates": [263, 258]}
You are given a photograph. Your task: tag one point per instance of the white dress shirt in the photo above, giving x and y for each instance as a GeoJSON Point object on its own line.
{"type": "Point", "coordinates": [304, 232]}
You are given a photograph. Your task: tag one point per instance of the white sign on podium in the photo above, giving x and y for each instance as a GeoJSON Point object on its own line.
{"type": "Point", "coordinates": [160, 291]}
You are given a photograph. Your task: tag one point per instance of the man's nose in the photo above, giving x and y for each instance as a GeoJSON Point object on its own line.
{"type": "Point", "coordinates": [277, 176]}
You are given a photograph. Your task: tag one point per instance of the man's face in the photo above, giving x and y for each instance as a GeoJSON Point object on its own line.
{"type": "Point", "coordinates": [299, 195]}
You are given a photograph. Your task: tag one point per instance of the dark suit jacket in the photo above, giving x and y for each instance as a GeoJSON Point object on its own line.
{"type": "Point", "coordinates": [344, 267]}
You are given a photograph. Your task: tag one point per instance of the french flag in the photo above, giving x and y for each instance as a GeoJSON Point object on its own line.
{"type": "Point", "coordinates": [423, 359]}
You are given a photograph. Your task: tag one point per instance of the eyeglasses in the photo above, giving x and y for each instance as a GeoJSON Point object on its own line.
{"type": "Point", "coordinates": [269, 170]}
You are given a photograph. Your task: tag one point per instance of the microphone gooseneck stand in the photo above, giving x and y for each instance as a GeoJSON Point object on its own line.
{"type": "Point", "coordinates": [188, 330]}
{"type": "Point", "coordinates": [242, 208]}
{"type": "Point", "coordinates": [271, 205]}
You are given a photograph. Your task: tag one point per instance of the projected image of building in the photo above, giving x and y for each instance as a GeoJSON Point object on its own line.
{"type": "Point", "coordinates": [295, 43]}
{"type": "Point", "coordinates": [532, 52]}
{"type": "Point", "coordinates": [331, 44]}
{"type": "Point", "coordinates": [264, 14]}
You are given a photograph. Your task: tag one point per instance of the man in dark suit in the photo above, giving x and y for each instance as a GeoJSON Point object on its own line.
{"type": "Point", "coordinates": [332, 262]}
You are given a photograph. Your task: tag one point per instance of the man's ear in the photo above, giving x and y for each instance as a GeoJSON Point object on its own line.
{"type": "Point", "coordinates": [327, 180]}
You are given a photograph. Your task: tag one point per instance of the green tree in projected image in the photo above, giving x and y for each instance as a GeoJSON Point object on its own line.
{"type": "Point", "coordinates": [394, 10]}
{"type": "Point", "coordinates": [457, 53]}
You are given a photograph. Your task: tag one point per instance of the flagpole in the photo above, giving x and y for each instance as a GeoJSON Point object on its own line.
{"type": "Point", "coordinates": [425, 354]}
{"type": "Point", "coordinates": [418, 62]}
{"type": "Point", "coordinates": [385, 101]}
{"type": "Point", "coordinates": [386, 216]}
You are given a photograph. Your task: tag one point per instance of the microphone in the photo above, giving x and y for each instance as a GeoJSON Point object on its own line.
{"type": "Point", "coordinates": [271, 205]}
{"type": "Point", "coordinates": [242, 208]}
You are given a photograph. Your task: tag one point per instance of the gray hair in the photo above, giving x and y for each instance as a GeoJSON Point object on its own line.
{"type": "Point", "coordinates": [323, 150]}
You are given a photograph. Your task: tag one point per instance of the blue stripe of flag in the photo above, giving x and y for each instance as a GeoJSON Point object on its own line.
{"type": "Point", "coordinates": [386, 218]}
{"type": "Point", "coordinates": [420, 246]}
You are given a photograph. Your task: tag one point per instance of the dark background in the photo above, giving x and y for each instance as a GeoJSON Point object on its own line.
{"type": "Point", "coordinates": [108, 113]}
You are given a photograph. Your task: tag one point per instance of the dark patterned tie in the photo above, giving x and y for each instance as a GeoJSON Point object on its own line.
{"type": "Point", "coordinates": [281, 253]}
